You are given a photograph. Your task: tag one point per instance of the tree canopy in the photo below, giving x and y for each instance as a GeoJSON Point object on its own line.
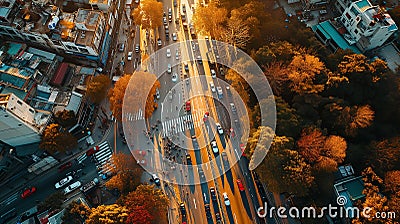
{"type": "Point", "coordinates": [110, 214]}
{"type": "Point", "coordinates": [97, 88]}
{"type": "Point", "coordinates": [209, 20]}
{"type": "Point", "coordinates": [149, 14]}
{"type": "Point", "coordinates": [54, 139]}
{"type": "Point", "coordinates": [116, 96]}
{"type": "Point", "coordinates": [65, 118]}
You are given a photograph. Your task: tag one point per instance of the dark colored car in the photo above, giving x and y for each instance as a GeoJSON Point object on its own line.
{"type": "Point", "coordinates": [188, 159]}
{"type": "Point", "coordinates": [213, 194]}
{"type": "Point", "coordinates": [218, 217]}
{"type": "Point", "coordinates": [28, 192]}
{"type": "Point", "coordinates": [64, 166]}
{"type": "Point", "coordinates": [208, 211]}
{"type": "Point", "coordinates": [93, 150]}
{"type": "Point", "coordinates": [183, 209]}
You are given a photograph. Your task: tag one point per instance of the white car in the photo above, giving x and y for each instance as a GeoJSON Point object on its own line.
{"type": "Point", "coordinates": [130, 53]}
{"type": "Point", "coordinates": [169, 69]}
{"type": "Point", "coordinates": [159, 43]}
{"type": "Point", "coordinates": [72, 187]}
{"type": "Point", "coordinates": [214, 147]}
{"type": "Point", "coordinates": [174, 37]}
{"type": "Point", "coordinates": [226, 199]}
{"type": "Point", "coordinates": [213, 74]}
{"type": "Point", "coordinates": [212, 87]}
{"type": "Point", "coordinates": [156, 179]}
{"type": "Point", "coordinates": [168, 53]}
{"type": "Point", "coordinates": [63, 182]}
{"type": "Point", "coordinates": [233, 108]}
{"type": "Point", "coordinates": [174, 77]}
{"type": "Point", "coordinates": [219, 91]}
{"type": "Point", "coordinates": [177, 54]}
{"type": "Point", "coordinates": [219, 128]}
{"type": "Point", "coordinates": [158, 94]}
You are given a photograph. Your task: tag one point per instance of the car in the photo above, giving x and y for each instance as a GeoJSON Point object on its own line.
{"type": "Point", "coordinates": [188, 159]}
{"type": "Point", "coordinates": [233, 108]}
{"type": "Point", "coordinates": [218, 217]}
{"type": "Point", "coordinates": [169, 68]}
{"type": "Point", "coordinates": [186, 66]}
{"type": "Point", "coordinates": [183, 8]}
{"type": "Point", "coordinates": [72, 187]}
{"type": "Point", "coordinates": [177, 54]}
{"type": "Point", "coordinates": [174, 37]}
{"type": "Point", "coordinates": [121, 47]}
{"type": "Point", "coordinates": [92, 151]}
{"type": "Point", "coordinates": [141, 162]}
{"type": "Point", "coordinates": [182, 208]}
{"type": "Point", "coordinates": [242, 148]}
{"type": "Point", "coordinates": [187, 105]}
{"type": "Point", "coordinates": [213, 73]}
{"type": "Point", "coordinates": [212, 87]}
{"type": "Point", "coordinates": [157, 94]}
{"type": "Point", "coordinates": [226, 199]}
{"type": "Point", "coordinates": [219, 128]}
{"type": "Point", "coordinates": [137, 48]}
{"type": "Point", "coordinates": [165, 21]}
{"type": "Point", "coordinates": [240, 185]}
{"type": "Point", "coordinates": [199, 60]}
{"type": "Point", "coordinates": [183, 18]}
{"type": "Point", "coordinates": [159, 43]}
{"type": "Point", "coordinates": [63, 182]}
{"type": "Point", "coordinates": [167, 36]}
{"type": "Point", "coordinates": [213, 194]}
{"type": "Point", "coordinates": [137, 1]}
{"type": "Point", "coordinates": [28, 192]}
{"type": "Point", "coordinates": [214, 147]}
{"type": "Point", "coordinates": [208, 211]}
{"type": "Point", "coordinates": [64, 166]}
{"type": "Point", "coordinates": [139, 153]}
{"type": "Point", "coordinates": [225, 160]}
{"type": "Point", "coordinates": [219, 91]}
{"type": "Point", "coordinates": [168, 53]}
{"type": "Point", "coordinates": [174, 77]}
{"type": "Point", "coordinates": [156, 180]}
{"type": "Point", "coordinates": [130, 56]}
{"type": "Point", "coordinates": [175, 3]}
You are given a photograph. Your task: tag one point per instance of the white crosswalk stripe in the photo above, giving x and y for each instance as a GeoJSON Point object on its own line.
{"type": "Point", "coordinates": [182, 123]}
{"type": "Point", "coordinates": [103, 157]}
{"type": "Point", "coordinates": [10, 199]}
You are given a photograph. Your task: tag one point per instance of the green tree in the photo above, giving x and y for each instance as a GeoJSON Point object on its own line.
{"type": "Point", "coordinates": [54, 140]}
{"type": "Point", "coordinates": [127, 173]}
{"type": "Point", "coordinates": [97, 88]}
{"type": "Point", "coordinates": [148, 14]}
{"type": "Point", "coordinates": [52, 202]}
{"type": "Point", "coordinates": [76, 213]}
{"type": "Point", "coordinates": [148, 198]}
{"type": "Point", "coordinates": [65, 118]}
{"type": "Point", "coordinates": [284, 170]}
{"type": "Point", "coordinates": [209, 20]}
{"type": "Point", "coordinates": [110, 214]}
{"type": "Point", "coordinates": [116, 96]}
{"type": "Point", "coordinates": [287, 121]}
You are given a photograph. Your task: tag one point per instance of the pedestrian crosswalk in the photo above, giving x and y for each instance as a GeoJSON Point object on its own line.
{"type": "Point", "coordinates": [102, 157]}
{"type": "Point", "coordinates": [182, 123]}
{"type": "Point", "coordinates": [134, 116]}
{"type": "Point", "coordinates": [10, 199]}
{"type": "Point", "coordinates": [81, 158]}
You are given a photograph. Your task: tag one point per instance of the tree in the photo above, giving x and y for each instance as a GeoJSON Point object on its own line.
{"type": "Point", "coordinates": [148, 198]}
{"type": "Point", "coordinates": [284, 170]}
{"type": "Point", "coordinates": [128, 173]}
{"type": "Point", "coordinates": [116, 96]}
{"type": "Point", "coordinates": [351, 119]}
{"type": "Point", "coordinates": [236, 33]}
{"type": "Point", "coordinates": [384, 155]}
{"type": "Point", "coordinates": [280, 51]}
{"type": "Point", "coordinates": [97, 88]}
{"type": "Point", "coordinates": [303, 73]}
{"type": "Point", "coordinates": [76, 213]}
{"type": "Point", "coordinates": [52, 202]}
{"type": "Point", "coordinates": [65, 118]}
{"type": "Point", "coordinates": [258, 145]}
{"type": "Point", "coordinates": [209, 20]}
{"type": "Point", "coordinates": [392, 182]}
{"type": "Point", "coordinates": [55, 140]}
{"type": "Point", "coordinates": [148, 14]}
{"type": "Point", "coordinates": [287, 120]}
{"type": "Point", "coordinates": [239, 84]}
{"type": "Point", "coordinates": [110, 214]}
{"type": "Point", "coordinates": [139, 214]}
{"type": "Point", "coordinates": [373, 198]}
{"type": "Point", "coordinates": [277, 76]}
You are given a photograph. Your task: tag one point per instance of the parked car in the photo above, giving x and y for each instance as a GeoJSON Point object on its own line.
{"type": "Point", "coordinates": [240, 185]}
{"type": "Point", "coordinates": [233, 108]}
{"type": "Point", "coordinates": [137, 48]}
{"type": "Point", "coordinates": [186, 66]}
{"type": "Point", "coordinates": [213, 73]}
{"type": "Point", "coordinates": [219, 91]}
{"type": "Point", "coordinates": [93, 150]}
{"type": "Point", "coordinates": [121, 47]}
{"type": "Point", "coordinates": [63, 182]}
{"type": "Point", "coordinates": [64, 166]}
{"type": "Point", "coordinates": [72, 187]}
{"type": "Point", "coordinates": [28, 192]}
{"type": "Point", "coordinates": [226, 199]}
{"type": "Point", "coordinates": [168, 53]}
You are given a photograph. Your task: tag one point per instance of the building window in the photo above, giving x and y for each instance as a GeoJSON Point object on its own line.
{"type": "Point", "coordinates": [354, 11]}
{"type": "Point", "coordinates": [348, 15]}
{"type": "Point", "coordinates": [19, 102]}
{"type": "Point", "coordinates": [356, 31]}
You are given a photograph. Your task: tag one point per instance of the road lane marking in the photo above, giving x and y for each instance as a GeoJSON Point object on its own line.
{"type": "Point", "coordinates": [194, 201]}
{"type": "Point", "coordinates": [234, 216]}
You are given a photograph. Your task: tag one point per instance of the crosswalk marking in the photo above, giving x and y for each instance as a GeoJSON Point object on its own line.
{"type": "Point", "coordinates": [10, 199]}
{"type": "Point", "coordinates": [103, 156]}
{"type": "Point", "coordinates": [182, 123]}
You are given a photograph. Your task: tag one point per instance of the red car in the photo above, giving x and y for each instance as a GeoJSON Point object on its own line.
{"type": "Point", "coordinates": [240, 185]}
{"type": "Point", "coordinates": [64, 166]}
{"type": "Point", "coordinates": [27, 192]}
{"type": "Point", "coordinates": [187, 106]}
{"type": "Point", "coordinates": [242, 147]}
{"type": "Point", "coordinates": [93, 150]}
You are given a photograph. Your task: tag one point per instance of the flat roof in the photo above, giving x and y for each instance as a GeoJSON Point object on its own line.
{"type": "Point", "coordinates": [327, 29]}
{"type": "Point", "coordinates": [58, 78]}
{"type": "Point", "coordinates": [363, 5]}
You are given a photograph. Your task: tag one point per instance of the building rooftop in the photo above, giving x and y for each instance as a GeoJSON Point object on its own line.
{"type": "Point", "coordinates": [363, 5]}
